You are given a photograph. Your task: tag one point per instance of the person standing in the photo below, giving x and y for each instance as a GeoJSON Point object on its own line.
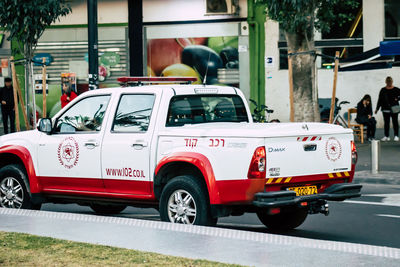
{"type": "Point", "coordinates": [68, 95]}
{"type": "Point", "coordinates": [364, 116]}
{"type": "Point", "coordinates": [388, 97]}
{"type": "Point", "coordinates": [7, 105]}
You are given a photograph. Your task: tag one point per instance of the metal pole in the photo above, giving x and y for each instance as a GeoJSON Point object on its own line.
{"type": "Point", "coordinates": [291, 99]}
{"type": "Point", "coordinates": [44, 109]}
{"type": "Point", "coordinates": [135, 33]}
{"type": "Point", "coordinates": [93, 45]}
{"type": "Point", "coordinates": [375, 156]}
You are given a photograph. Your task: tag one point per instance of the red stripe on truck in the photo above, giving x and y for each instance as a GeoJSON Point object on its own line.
{"type": "Point", "coordinates": [25, 156]}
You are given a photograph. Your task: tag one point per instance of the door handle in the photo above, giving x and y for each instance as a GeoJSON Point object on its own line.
{"type": "Point", "coordinates": [139, 144]}
{"type": "Point", "coordinates": [310, 147]}
{"type": "Point", "coordinates": [91, 144]}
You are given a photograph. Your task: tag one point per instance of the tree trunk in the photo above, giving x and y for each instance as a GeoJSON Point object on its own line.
{"type": "Point", "coordinates": [304, 85]}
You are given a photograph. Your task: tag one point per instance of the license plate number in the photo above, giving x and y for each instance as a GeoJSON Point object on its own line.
{"type": "Point", "coordinates": [304, 190]}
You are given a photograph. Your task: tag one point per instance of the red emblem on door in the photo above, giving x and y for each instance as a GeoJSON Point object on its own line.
{"type": "Point", "coordinates": [68, 152]}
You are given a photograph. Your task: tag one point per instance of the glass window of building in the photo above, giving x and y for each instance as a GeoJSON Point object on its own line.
{"type": "Point", "coordinates": [392, 19]}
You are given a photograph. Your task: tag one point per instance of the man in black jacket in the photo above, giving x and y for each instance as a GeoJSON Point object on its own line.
{"type": "Point", "coordinates": [7, 105]}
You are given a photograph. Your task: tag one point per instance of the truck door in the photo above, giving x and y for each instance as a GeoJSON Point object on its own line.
{"type": "Point", "coordinates": [69, 158]}
{"type": "Point", "coordinates": [126, 148]}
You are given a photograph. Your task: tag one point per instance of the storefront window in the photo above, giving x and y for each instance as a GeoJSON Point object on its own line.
{"type": "Point", "coordinates": [392, 18]}
{"type": "Point", "coordinates": [215, 59]}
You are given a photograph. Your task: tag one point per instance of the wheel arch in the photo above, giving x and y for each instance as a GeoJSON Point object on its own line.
{"type": "Point", "coordinates": [20, 155]}
{"type": "Point", "coordinates": [183, 163]}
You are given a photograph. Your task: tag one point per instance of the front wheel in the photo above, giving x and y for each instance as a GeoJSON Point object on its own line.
{"type": "Point", "coordinates": [13, 190]}
{"type": "Point", "coordinates": [185, 200]}
{"type": "Point", "coordinates": [284, 221]}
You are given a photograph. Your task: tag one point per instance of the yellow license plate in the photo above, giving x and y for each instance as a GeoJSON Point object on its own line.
{"type": "Point", "coordinates": [304, 190]}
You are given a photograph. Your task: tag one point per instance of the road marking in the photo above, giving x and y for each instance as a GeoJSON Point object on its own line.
{"type": "Point", "coordinates": [389, 215]}
{"type": "Point", "coordinates": [388, 200]}
{"type": "Point", "coordinates": [372, 203]}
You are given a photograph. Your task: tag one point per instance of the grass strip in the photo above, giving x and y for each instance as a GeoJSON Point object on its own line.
{"type": "Point", "coordinates": [28, 250]}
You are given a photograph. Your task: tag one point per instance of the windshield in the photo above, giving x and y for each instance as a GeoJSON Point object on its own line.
{"type": "Point", "coordinates": [193, 109]}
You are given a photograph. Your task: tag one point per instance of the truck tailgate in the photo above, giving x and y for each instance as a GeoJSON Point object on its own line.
{"type": "Point", "coordinates": [308, 155]}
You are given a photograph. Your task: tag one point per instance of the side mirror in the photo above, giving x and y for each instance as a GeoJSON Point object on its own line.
{"type": "Point", "coordinates": [45, 125]}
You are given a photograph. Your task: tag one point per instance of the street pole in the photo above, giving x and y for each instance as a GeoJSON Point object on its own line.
{"type": "Point", "coordinates": [291, 99]}
{"type": "Point", "coordinates": [135, 32]}
{"type": "Point", "coordinates": [93, 45]}
{"type": "Point", "coordinates": [44, 70]}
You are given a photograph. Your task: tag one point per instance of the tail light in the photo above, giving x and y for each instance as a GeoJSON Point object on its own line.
{"type": "Point", "coordinates": [257, 167]}
{"type": "Point", "coordinates": [354, 155]}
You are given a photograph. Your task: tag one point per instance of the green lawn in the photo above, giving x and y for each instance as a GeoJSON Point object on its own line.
{"type": "Point", "coordinates": [28, 250]}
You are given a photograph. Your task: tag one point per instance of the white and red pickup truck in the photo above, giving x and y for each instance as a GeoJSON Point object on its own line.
{"type": "Point", "coordinates": [191, 151]}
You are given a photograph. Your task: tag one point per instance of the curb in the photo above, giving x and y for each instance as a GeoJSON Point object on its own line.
{"type": "Point", "coordinates": [383, 177]}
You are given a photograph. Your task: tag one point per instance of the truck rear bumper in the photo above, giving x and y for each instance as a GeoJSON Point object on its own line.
{"type": "Point", "coordinates": [336, 192]}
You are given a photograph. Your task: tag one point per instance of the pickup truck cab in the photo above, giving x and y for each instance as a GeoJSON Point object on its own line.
{"type": "Point", "coordinates": [191, 151]}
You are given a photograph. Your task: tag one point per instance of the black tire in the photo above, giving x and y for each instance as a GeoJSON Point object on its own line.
{"type": "Point", "coordinates": [186, 185]}
{"type": "Point", "coordinates": [106, 209]}
{"type": "Point", "coordinates": [284, 221]}
{"type": "Point", "coordinates": [14, 188]}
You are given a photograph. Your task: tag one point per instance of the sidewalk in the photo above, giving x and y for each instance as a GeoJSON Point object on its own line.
{"type": "Point", "coordinates": [196, 242]}
{"type": "Point", "coordinates": [389, 162]}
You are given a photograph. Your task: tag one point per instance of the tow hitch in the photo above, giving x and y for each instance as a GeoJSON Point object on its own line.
{"type": "Point", "coordinates": [320, 206]}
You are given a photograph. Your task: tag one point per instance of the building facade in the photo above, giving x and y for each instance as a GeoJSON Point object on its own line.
{"type": "Point", "coordinates": [170, 26]}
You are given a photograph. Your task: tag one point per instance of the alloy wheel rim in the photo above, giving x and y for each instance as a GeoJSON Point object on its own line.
{"type": "Point", "coordinates": [11, 193]}
{"type": "Point", "coordinates": [182, 207]}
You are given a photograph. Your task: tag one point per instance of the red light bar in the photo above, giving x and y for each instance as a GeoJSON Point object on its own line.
{"type": "Point", "coordinates": [156, 79]}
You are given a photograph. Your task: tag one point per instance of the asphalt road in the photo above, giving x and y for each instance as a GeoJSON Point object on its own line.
{"type": "Point", "coordinates": [373, 219]}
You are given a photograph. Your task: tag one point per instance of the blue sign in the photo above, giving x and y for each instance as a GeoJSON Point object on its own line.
{"type": "Point", "coordinates": [38, 59]}
{"type": "Point", "coordinates": [389, 48]}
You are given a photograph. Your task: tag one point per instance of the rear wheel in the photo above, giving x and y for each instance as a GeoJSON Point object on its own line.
{"type": "Point", "coordinates": [106, 209]}
{"type": "Point", "coordinates": [185, 200]}
{"type": "Point", "coordinates": [286, 220]}
{"type": "Point", "coordinates": [13, 190]}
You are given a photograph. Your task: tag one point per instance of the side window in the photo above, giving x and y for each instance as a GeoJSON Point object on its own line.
{"type": "Point", "coordinates": [133, 113]}
{"type": "Point", "coordinates": [85, 116]}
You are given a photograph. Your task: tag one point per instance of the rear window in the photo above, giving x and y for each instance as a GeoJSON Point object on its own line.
{"type": "Point", "coordinates": [193, 109]}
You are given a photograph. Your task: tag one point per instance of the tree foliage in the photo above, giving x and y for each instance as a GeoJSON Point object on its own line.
{"type": "Point", "coordinates": [299, 15]}
{"type": "Point", "coordinates": [26, 20]}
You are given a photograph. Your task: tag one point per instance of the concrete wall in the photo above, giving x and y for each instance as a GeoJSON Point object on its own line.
{"type": "Point", "coordinates": [351, 86]}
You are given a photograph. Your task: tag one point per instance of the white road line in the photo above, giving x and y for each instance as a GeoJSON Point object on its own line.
{"type": "Point", "coordinates": [389, 215]}
{"type": "Point", "coordinates": [373, 203]}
